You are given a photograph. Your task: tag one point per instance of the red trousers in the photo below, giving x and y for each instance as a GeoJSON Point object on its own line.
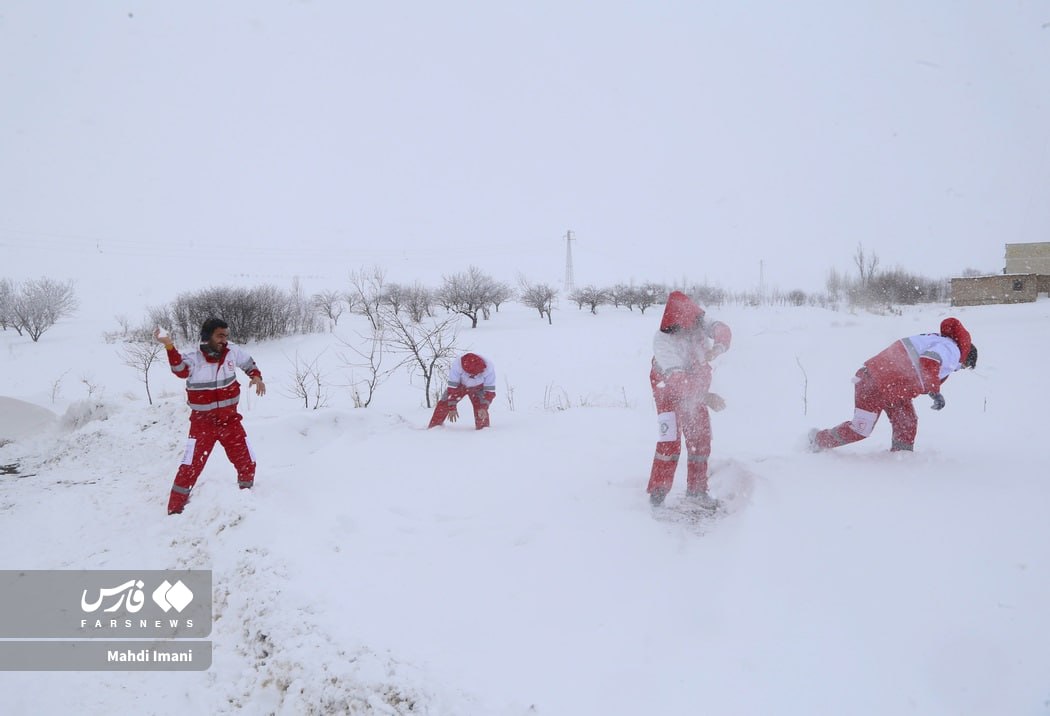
{"type": "Point", "coordinates": [207, 428]}
{"type": "Point", "coordinates": [871, 399]}
{"type": "Point", "coordinates": [453, 396]}
{"type": "Point", "coordinates": [681, 416]}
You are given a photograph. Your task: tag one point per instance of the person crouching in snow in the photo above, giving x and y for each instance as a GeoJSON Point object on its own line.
{"type": "Point", "coordinates": [212, 393]}
{"type": "Point", "coordinates": [683, 350]}
{"type": "Point", "coordinates": [890, 381]}
{"type": "Point", "coordinates": [471, 376]}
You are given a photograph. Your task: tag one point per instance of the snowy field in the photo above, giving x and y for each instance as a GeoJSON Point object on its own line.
{"type": "Point", "coordinates": [378, 567]}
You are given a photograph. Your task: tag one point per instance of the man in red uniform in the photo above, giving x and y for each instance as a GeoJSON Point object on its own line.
{"type": "Point", "coordinates": [471, 376]}
{"type": "Point", "coordinates": [889, 382]}
{"type": "Point", "coordinates": [212, 393]}
{"type": "Point", "coordinates": [681, 380]}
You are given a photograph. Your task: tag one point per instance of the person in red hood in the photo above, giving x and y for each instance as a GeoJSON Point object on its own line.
{"type": "Point", "coordinates": [212, 393]}
{"type": "Point", "coordinates": [680, 377]}
{"type": "Point", "coordinates": [472, 376]}
{"type": "Point", "coordinates": [888, 383]}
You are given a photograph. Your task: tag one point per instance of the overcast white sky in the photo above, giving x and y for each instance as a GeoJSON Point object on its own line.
{"type": "Point", "coordinates": [713, 141]}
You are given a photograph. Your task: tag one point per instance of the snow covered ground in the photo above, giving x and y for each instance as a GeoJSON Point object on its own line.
{"type": "Point", "coordinates": [378, 567]}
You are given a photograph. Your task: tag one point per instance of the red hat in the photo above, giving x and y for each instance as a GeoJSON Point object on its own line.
{"type": "Point", "coordinates": [680, 311]}
{"type": "Point", "coordinates": [472, 364]}
{"type": "Point", "coordinates": [954, 329]}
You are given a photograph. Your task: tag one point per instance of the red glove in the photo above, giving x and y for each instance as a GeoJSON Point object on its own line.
{"type": "Point", "coordinates": [453, 413]}
{"type": "Point", "coordinates": [487, 398]}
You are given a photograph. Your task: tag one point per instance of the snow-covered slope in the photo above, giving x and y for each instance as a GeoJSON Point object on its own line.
{"type": "Point", "coordinates": [379, 567]}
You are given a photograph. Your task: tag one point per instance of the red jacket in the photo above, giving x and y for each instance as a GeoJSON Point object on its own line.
{"type": "Point", "coordinates": [211, 381]}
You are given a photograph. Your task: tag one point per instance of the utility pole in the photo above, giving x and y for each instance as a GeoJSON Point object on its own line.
{"type": "Point", "coordinates": [569, 281]}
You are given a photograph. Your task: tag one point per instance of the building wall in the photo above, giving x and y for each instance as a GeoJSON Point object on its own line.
{"type": "Point", "coordinates": [1008, 288]}
{"type": "Point", "coordinates": [1028, 258]}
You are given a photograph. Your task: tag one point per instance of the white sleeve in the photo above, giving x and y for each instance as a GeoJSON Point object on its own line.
{"type": "Point", "coordinates": [455, 374]}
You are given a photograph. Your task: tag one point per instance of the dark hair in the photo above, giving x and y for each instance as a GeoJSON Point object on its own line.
{"type": "Point", "coordinates": [971, 357]}
{"type": "Point", "coordinates": [209, 326]}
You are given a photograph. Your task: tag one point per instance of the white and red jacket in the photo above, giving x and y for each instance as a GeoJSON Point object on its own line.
{"type": "Point", "coordinates": [211, 381]}
{"type": "Point", "coordinates": [684, 345]}
{"type": "Point", "coordinates": [915, 365]}
{"type": "Point", "coordinates": [459, 378]}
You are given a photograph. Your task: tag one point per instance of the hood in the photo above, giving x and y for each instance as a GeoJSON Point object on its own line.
{"type": "Point", "coordinates": [680, 311]}
{"type": "Point", "coordinates": [954, 329]}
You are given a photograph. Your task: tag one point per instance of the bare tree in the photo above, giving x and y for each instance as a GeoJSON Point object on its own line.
{"type": "Point", "coordinates": [866, 265]}
{"type": "Point", "coordinates": [308, 381]}
{"type": "Point", "coordinates": [371, 360]}
{"type": "Point", "coordinates": [501, 293]}
{"type": "Point", "coordinates": [331, 304]}
{"type": "Point", "coordinates": [7, 304]}
{"type": "Point", "coordinates": [40, 303]}
{"type": "Point", "coordinates": [467, 293]}
{"type": "Point", "coordinates": [648, 295]}
{"type": "Point", "coordinates": [539, 296]}
{"type": "Point", "coordinates": [591, 297]}
{"type": "Point", "coordinates": [622, 295]}
{"type": "Point", "coordinates": [366, 293]}
{"type": "Point", "coordinates": [394, 297]}
{"type": "Point", "coordinates": [141, 355]}
{"type": "Point", "coordinates": [835, 284]}
{"type": "Point", "coordinates": [426, 348]}
{"type": "Point", "coordinates": [124, 322]}
{"type": "Point", "coordinates": [419, 302]}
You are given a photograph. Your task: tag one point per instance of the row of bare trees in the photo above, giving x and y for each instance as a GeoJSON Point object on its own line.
{"type": "Point", "coordinates": [34, 306]}
{"type": "Point", "coordinates": [873, 287]}
{"type": "Point", "coordinates": [471, 293]}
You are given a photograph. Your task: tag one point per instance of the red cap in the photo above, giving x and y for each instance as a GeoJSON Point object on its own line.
{"type": "Point", "coordinates": [473, 364]}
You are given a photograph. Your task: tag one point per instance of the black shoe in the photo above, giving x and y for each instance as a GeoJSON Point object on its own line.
{"type": "Point", "coordinates": [656, 497]}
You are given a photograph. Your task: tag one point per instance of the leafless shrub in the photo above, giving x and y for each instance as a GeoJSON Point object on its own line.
{"type": "Point", "coordinates": [255, 313]}
{"type": "Point", "coordinates": [555, 398]}
{"type": "Point", "coordinates": [141, 355]}
{"type": "Point", "coordinates": [366, 294]}
{"type": "Point", "coordinates": [419, 302]}
{"type": "Point", "coordinates": [500, 294]}
{"type": "Point", "coordinates": [331, 305]}
{"type": "Point", "coordinates": [56, 387]}
{"type": "Point", "coordinates": [394, 297]}
{"type": "Point", "coordinates": [508, 394]}
{"type": "Point", "coordinates": [309, 382]}
{"type": "Point", "coordinates": [539, 296]}
{"type": "Point", "coordinates": [468, 293]}
{"type": "Point", "coordinates": [40, 303]}
{"type": "Point", "coordinates": [590, 296]}
{"type": "Point", "coordinates": [426, 348]}
{"type": "Point", "coordinates": [7, 304]}
{"type": "Point", "coordinates": [362, 391]}
{"type": "Point", "coordinates": [866, 264]}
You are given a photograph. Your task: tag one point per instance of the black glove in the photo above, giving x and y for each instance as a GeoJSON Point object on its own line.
{"type": "Point", "coordinates": [938, 401]}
